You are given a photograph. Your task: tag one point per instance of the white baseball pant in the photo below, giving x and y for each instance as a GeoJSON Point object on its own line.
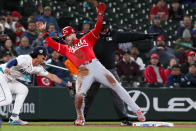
{"type": "Point", "coordinates": [7, 88]}
{"type": "Point", "coordinates": [97, 72]}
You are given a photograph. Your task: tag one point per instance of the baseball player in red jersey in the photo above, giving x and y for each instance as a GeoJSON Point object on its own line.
{"type": "Point", "coordinates": [80, 53]}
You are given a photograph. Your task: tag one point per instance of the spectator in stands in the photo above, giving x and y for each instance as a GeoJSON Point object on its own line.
{"type": "Point", "coordinates": [190, 2]}
{"type": "Point", "coordinates": [191, 75]}
{"type": "Point", "coordinates": [167, 71]}
{"type": "Point", "coordinates": [6, 29]}
{"type": "Point", "coordinates": [185, 40]}
{"type": "Point", "coordinates": [37, 20]}
{"type": "Point", "coordinates": [117, 57]}
{"type": "Point", "coordinates": [3, 36]}
{"type": "Point", "coordinates": [156, 27]}
{"type": "Point", "coordinates": [128, 70]}
{"type": "Point", "coordinates": [39, 10]}
{"type": "Point", "coordinates": [9, 47]}
{"type": "Point", "coordinates": [165, 53]}
{"type": "Point", "coordinates": [48, 18]}
{"type": "Point", "coordinates": [160, 9]}
{"type": "Point", "coordinates": [54, 34]}
{"type": "Point", "coordinates": [191, 57]}
{"type": "Point", "coordinates": [24, 47]}
{"type": "Point", "coordinates": [8, 20]}
{"type": "Point", "coordinates": [38, 41]}
{"type": "Point", "coordinates": [175, 11]}
{"type": "Point", "coordinates": [45, 45]}
{"type": "Point", "coordinates": [56, 59]}
{"type": "Point", "coordinates": [19, 32]}
{"type": "Point", "coordinates": [134, 52]}
{"type": "Point", "coordinates": [176, 79]}
{"type": "Point", "coordinates": [193, 34]}
{"type": "Point", "coordinates": [187, 24]}
{"type": "Point", "coordinates": [154, 74]}
{"type": "Point", "coordinates": [6, 56]}
{"type": "Point", "coordinates": [16, 16]}
{"type": "Point", "coordinates": [31, 33]}
{"type": "Point", "coordinates": [124, 47]}
{"type": "Point", "coordinates": [51, 28]}
{"type": "Point", "coordinates": [183, 45]}
{"type": "Point", "coordinates": [86, 26]}
{"type": "Point", "coordinates": [31, 19]}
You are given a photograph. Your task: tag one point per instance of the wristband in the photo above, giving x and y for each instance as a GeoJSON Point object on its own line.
{"type": "Point", "coordinates": [64, 83]}
{"type": "Point", "coordinates": [45, 35]}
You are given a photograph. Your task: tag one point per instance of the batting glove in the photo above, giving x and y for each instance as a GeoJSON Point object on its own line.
{"type": "Point", "coordinates": [100, 11]}
{"type": "Point", "coordinates": [45, 35]}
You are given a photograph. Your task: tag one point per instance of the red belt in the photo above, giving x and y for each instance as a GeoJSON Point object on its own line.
{"type": "Point", "coordinates": [87, 62]}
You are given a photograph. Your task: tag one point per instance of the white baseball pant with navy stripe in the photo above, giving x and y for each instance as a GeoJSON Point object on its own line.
{"type": "Point", "coordinates": [7, 88]}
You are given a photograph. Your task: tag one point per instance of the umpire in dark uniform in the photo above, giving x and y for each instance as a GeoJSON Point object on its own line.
{"type": "Point", "coordinates": [104, 50]}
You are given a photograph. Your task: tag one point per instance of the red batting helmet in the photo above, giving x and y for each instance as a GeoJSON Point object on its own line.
{"type": "Point", "coordinates": [67, 31]}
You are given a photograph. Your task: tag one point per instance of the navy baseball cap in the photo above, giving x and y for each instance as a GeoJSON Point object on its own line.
{"type": "Point", "coordinates": [40, 51]}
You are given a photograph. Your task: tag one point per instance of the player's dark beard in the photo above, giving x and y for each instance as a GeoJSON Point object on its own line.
{"type": "Point", "coordinates": [71, 42]}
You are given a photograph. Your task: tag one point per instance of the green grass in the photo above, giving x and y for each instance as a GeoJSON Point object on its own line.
{"type": "Point", "coordinates": [92, 129]}
{"type": "Point", "coordinates": [6, 127]}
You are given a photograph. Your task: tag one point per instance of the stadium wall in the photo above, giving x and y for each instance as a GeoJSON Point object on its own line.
{"type": "Point", "coordinates": [157, 104]}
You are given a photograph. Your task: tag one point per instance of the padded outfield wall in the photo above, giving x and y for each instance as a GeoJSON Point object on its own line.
{"type": "Point", "coordinates": [157, 104]}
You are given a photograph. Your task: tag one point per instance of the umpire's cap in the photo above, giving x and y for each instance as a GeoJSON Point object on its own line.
{"type": "Point", "coordinates": [38, 51]}
{"type": "Point", "coordinates": [105, 24]}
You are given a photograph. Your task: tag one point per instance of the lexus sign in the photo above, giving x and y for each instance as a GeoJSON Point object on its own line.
{"type": "Point", "coordinates": [156, 102]}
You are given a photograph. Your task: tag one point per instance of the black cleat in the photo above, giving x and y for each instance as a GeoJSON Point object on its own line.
{"type": "Point", "coordinates": [126, 123]}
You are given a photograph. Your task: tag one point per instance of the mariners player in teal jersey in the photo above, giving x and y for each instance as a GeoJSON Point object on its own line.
{"type": "Point", "coordinates": [18, 67]}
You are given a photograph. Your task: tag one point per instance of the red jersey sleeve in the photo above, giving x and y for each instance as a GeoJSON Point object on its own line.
{"type": "Point", "coordinates": [93, 35]}
{"type": "Point", "coordinates": [56, 46]}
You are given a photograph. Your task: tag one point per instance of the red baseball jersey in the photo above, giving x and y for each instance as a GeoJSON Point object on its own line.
{"type": "Point", "coordinates": [157, 11]}
{"type": "Point", "coordinates": [82, 50]}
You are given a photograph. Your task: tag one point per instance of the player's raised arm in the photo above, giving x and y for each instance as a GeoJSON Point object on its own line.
{"type": "Point", "coordinates": [53, 44]}
{"type": "Point", "coordinates": [94, 34]}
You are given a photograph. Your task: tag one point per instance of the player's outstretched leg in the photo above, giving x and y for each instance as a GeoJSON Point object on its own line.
{"type": "Point", "coordinates": [79, 98]}
{"type": "Point", "coordinates": [106, 77]}
{"type": "Point", "coordinates": [124, 95]}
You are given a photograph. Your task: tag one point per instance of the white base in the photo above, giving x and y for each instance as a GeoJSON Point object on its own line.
{"type": "Point", "coordinates": [152, 124]}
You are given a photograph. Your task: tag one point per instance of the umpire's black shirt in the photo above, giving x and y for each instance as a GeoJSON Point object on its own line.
{"type": "Point", "coordinates": [107, 44]}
